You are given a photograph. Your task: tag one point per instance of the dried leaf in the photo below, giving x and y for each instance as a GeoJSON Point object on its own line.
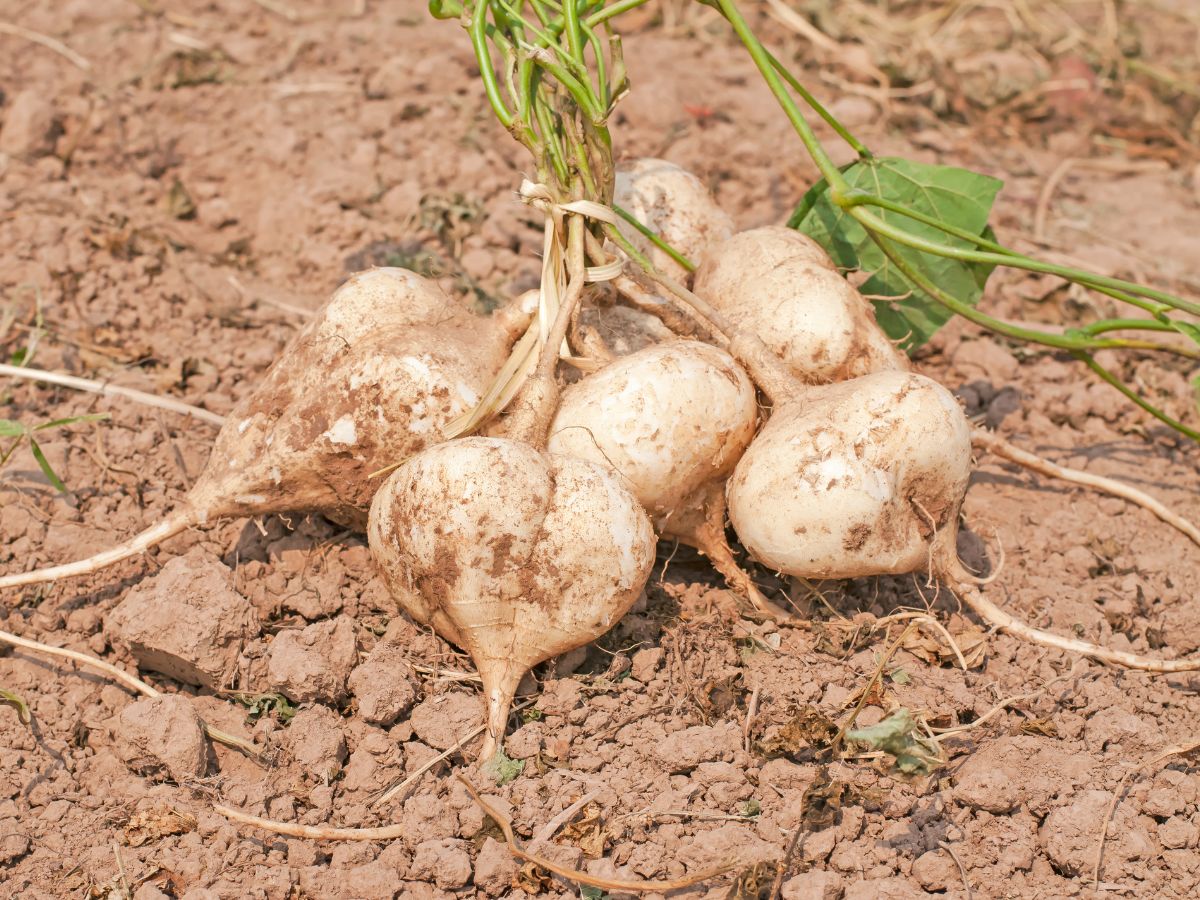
{"type": "Point", "coordinates": [587, 832]}
{"type": "Point", "coordinates": [809, 729]}
{"type": "Point", "coordinates": [1042, 727]}
{"type": "Point", "coordinates": [152, 825]}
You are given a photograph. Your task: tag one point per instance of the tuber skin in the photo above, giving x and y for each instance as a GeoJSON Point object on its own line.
{"type": "Point", "coordinates": [673, 419]}
{"type": "Point", "coordinates": [514, 554]}
{"type": "Point", "coordinates": [670, 418]}
{"type": "Point", "coordinates": [781, 285]}
{"type": "Point", "coordinates": [673, 203]}
{"type": "Point", "coordinates": [862, 477]}
{"type": "Point", "coordinates": [370, 380]}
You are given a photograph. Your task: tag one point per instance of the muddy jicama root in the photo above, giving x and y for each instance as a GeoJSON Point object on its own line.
{"type": "Point", "coordinates": [674, 204]}
{"type": "Point", "coordinates": [513, 554]}
{"type": "Point", "coordinates": [673, 419]}
{"type": "Point", "coordinates": [372, 379]}
{"type": "Point", "coordinates": [780, 285]}
{"type": "Point", "coordinates": [866, 477]}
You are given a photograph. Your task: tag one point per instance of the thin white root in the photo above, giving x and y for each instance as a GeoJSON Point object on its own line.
{"type": "Point", "coordinates": [1002, 621]}
{"type": "Point", "coordinates": [313, 832]}
{"type": "Point", "coordinates": [132, 682]}
{"type": "Point", "coordinates": [140, 543]}
{"type": "Point", "coordinates": [112, 390]}
{"type": "Point", "coordinates": [985, 440]}
{"type": "Point", "coordinates": [48, 42]}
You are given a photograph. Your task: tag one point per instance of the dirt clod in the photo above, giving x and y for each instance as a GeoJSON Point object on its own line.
{"type": "Point", "coordinates": [383, 685]}
{"type": "Point", "coordinates": [495, 868]}
{"type": "Point", "coordinates": [186, 622]}
{"type": "Point", "coordinates": [316, 741]}
{"type": "Point", "coordinates": [936, 871]}
{"type": "Point", "coordinates": [441, 721]}
{"type": "Point", "coordinates": [162, 735]}
{"type": "Point", "coordinates": [444, 862]}
{"type": "Point", "coordinates": [818, 885]}
{"type": "Point", "coordinates": [30, 126]}
{"type": "Point", "coordinates": [313, 664]}
{"type": "Point", "coordinates": [1069, 834]}
{"type": "Point", "coordinates": [686, 749]}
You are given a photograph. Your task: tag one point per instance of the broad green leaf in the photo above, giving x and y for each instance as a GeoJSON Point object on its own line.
{"type": "Point", "coordinates": [9, 428]}
{"type": "Point", "coordinates": [8, 698]}
{"type": "Point", "coordinates": [73, 420]}
{"type": "Point", "coordinates": [44, 465]}
{"type": "Point", "coordinates": [955, 196]}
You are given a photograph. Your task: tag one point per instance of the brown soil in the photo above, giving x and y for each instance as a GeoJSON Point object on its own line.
{"type": "Point", "coordinates": [173, 213]}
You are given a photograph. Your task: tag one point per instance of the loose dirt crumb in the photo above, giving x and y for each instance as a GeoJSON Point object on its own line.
{"type": "Point", "coordinates": [162, 735]}
{"type": "Point", "coordinates": [314, 663]}
{"type": "Point", "coordinates": [383, 686]}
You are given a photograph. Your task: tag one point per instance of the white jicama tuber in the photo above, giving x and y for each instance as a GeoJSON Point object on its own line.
{"type": "Point", "coordinates": [670, 418]}
{"type": "Point", "coordinates": [673, 419]}
{"type": "Point", "coordinates": [675, 205]}
{"type": "Point", "coordinates": [372, 379]}
{"type": "Point", "coordinates": [861, 477]}
{"type": "Point", "coordinates": [514, 554]}
{"type": "Point", "coordinates": [866, 477]}
{"type": "Point", "coordinates": [780, 285]}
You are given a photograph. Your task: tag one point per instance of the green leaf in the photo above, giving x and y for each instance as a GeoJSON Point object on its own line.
{"type": "Point", "coordinates": [8, 698]}
{"type": "Point", "coordinates": [501, 770]}
{"type": "Point", "coordinates": [9, 428]}
{"type": "Point", "coordinates": [58, 423]}
{"type": "Point", "coordinates": [897, 736]}
{"type": "Point", "coordinates": [258, 705]}
{"type": "Point", "coordinates": [44, 465]}
{"type": "Point", "coordinates": [955, 196]}
{"type": "Point", "coordinates": [1187, 328]}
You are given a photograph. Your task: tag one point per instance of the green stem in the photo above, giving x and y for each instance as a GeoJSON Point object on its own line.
{"type": "Point", "coordinates": [593, 40]}
{"type": "Point", "coordinates": [1133, 395]}
{"type": "Point", "coordinates": [874, 223]}
{"type": "Point", "coordinates": [859, 198]}
{"type": "Point", "coordinates": [572, 30]}
{"type": "Point", "coordinates": [478, 32]}
{"type": "Point", "coordinates": [831, 173]}
{"type": "Point", "coordinates": [550, 136]}
{"type": "Point", "coordinates": [655, 238]}
{"type": "Point", "coordinates": [615, 9]}
{"type": "Point", "coordinates": [1104, 325]}
{"type": "Point", "coordinates": [830, 119]}
{"type": "Point", "coordinates": [1008, 329]}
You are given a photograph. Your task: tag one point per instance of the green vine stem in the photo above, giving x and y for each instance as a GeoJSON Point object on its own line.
{"type": "Point", "coordinates": [1081, 342]}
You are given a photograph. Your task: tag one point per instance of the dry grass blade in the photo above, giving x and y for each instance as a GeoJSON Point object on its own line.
{"type": "Point", "coordinates": [604, 884]}
{"type": "Point", "coordinates": [519, 365]}
{"type": "Point", "coordinates": [48, 42]}
{"type": "Point", "coordinates": [112, 390]}
{"type": "Point", "coordinates": [312, 832]}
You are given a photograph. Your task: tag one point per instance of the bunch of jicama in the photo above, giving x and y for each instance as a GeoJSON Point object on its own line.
{"type": "Point", "coordinates": [537, 539]}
